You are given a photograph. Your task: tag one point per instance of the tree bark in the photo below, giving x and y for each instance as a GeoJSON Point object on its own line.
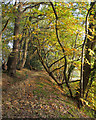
{"type": "Point", "coordinates": [22, 62]}
{"type": "Point", "coordinates": [20, 54]}
{"type": "Point", "coordinates": [89, 46]}
{"type": "Point", "coordinates": [12, 59]}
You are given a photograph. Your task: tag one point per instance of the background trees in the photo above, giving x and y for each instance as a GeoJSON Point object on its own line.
{"type": "Point", "coordinates": [54, 33]}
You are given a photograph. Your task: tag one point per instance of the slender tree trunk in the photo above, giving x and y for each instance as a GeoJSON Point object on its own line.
{"type": "Point", "coordinates": [30, 56]}
{"type": "Point", "coordinates": [20, 53]}
{"type": "Point", "coordinates": [22, 62]}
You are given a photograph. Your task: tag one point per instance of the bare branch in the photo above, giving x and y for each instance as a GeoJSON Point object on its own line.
{"type": "Point", "coordinates": [54, 10]}
{"type": "Point", "coordinates": [65, 68]}
{"type": "Point", "coordinates": [5, 25]}
{"type": "Point", "coordinates": [56, 27]}
{"type": "Point", "coordinates": [57, 68]}
{"type": "Point", "coordinates": [56, 61]}
{"type": "Point", "coordinates": [44, 65]}
{"type": "Point", "coordinates": [72, 81]}
{"type": "Point", "coordinates": [32, 6]}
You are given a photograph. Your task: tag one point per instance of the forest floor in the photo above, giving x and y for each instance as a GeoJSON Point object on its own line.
{"type": "Point", "coordinates": [33, 94]}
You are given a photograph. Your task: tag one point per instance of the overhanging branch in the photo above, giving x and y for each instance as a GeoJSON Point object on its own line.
{"type": "Point", "coordinates": [30, 7]}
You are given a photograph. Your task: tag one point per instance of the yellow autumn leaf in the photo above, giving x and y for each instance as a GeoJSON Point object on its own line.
{"type": "Point", "coordinates": [87, 61]}
{"type": "Point", "coordinates": [91, 52]}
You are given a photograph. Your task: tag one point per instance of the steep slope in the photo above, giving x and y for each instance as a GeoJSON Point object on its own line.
{"type": "Point", "coordinates": [33, 94]}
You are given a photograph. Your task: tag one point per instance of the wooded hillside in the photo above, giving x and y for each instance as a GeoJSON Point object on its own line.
{"type": "Point", "coordinates": [33, 94]}
{"type": "Point", "coordinates": [57, 37]}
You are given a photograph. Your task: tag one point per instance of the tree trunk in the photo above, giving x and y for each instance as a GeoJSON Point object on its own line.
{"type": "Point", "coordinates": [22, 62]}
{"type": "Point", "coordinates": [12, 59]}
{"type": "Point", "coordinates": [30, 56]}
{"type": "Point", "coordinates": [20, 53]}
{"type": "Point", "coordinates": [89, 46]}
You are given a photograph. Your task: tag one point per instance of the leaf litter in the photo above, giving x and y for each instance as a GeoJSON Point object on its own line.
{"type": "Point", "coordinates": [34, 97]}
